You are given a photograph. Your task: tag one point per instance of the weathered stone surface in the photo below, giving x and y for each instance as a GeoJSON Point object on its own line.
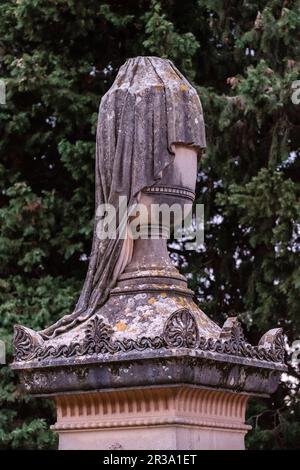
{"type": "Point", "coordinates": [152, 367]}
{"type": "Point", "coordinates": [185, 347]}
{"type": "Point", "coordinates": [148, 332]}
{"type": "Point", "coordinates": [149, 108]}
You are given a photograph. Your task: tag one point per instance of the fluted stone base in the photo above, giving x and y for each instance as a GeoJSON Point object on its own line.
{"type": "Point", "coordinates": [158, 418]}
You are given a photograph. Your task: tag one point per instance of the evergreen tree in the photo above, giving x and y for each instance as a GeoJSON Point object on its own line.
{"type": "Point", "coordinates": [57, 59]}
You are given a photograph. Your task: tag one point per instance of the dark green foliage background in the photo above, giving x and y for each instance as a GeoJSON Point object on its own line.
{"type": "Point", "coordinates": [58, 58]}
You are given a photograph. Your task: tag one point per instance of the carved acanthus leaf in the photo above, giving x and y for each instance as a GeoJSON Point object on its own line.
{"type": "Point", "coordinates": [98, 337]}
{"type": "Point", "coordinates": [181, 330]}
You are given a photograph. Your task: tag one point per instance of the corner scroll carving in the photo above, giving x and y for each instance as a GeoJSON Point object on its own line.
{"type": "Point", "coordinates": [26, 342]}
{"type": "Point", "coordinates": [232, 331]}
{"type": "Point", "coordinates": [273, 343]}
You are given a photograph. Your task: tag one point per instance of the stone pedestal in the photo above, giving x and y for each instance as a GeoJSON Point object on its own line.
{"type": "Point", "coordinates": [150, 370]}
{"type": "Point", "coordinates": [161, 418]}
{"type": "Point", "coordinates": [176, 390]}
{"type": "Point", "coordinates": [138, 365]}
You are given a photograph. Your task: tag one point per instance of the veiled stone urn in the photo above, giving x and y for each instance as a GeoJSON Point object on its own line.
{"type": "Point", "coordinates": [137, 357]}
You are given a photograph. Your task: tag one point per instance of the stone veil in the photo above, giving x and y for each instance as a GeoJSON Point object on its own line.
{"type": "Point", "coordinates": [149, 108]}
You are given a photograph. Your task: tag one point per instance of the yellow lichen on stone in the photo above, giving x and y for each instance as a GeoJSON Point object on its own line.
{"type": "Point", "coordinates": [121, 326]}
